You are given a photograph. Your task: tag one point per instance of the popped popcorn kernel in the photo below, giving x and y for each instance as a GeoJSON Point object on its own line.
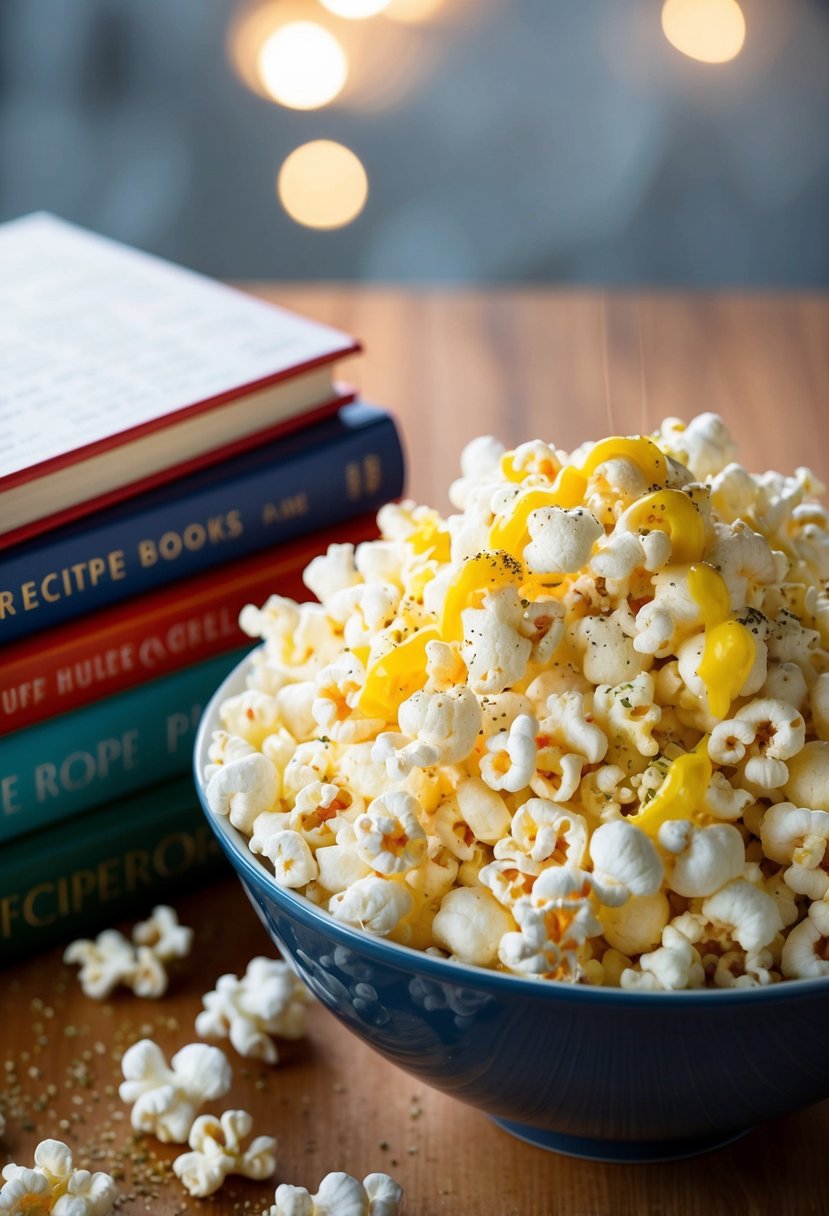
{"type": "Point", "coordinates": [55, 1185]}
{"type": "Point", "coordinates": [577, 730]}
{"type": "Point", "coordinates": [216, 1151]}
{"type": "Point", "coordinates": [340, 1194]}
{"type": "Point", "coordinates": [165, 1099]}
{"type": "Point", "coordinates": [111, 960]}
{"type": "Point", "coordinates": [268, 1001]}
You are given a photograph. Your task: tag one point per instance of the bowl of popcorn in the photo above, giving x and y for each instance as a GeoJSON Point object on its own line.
{"type": "Point", "coordinates": [536, 796]}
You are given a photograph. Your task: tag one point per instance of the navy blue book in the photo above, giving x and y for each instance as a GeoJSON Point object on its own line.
{"type": "Point", "coordinates": [345, 465]}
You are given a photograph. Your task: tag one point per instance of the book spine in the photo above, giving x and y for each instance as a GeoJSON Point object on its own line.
{"type": "Point", "coordinates": [128, 644]}
{"type": "Point", "coordinates": [257, 501]}
{"type": "Point", "coordinates": [112, 748]}
{"type": "Point", "coordinates": [107, 864]}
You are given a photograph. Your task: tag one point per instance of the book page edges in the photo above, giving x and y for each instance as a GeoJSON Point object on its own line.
{"type": "Point", "coordinates": [75, 489]}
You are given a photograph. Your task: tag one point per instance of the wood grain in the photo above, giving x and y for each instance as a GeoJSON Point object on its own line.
{"type": "Point", "coordinates": [564, 365]}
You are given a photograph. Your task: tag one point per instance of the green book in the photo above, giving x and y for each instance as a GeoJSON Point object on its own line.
{"type": "Point", "coordinates": [80, 877]}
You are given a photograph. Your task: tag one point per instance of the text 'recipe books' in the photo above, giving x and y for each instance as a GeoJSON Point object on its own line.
{"type": "Point", "coordinates": [122, 371]}
{"type": "Point", "coordinates": [344, 466]}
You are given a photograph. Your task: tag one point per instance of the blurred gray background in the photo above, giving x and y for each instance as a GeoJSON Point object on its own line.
{"type": "Point", "coordinates": [504, 141]}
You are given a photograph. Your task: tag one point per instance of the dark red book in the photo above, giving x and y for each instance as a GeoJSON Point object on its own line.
{"type": "Point", "coordinates": [122, 372]}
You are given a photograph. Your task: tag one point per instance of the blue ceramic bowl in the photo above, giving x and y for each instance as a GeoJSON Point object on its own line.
{"type": "Point", "coordinates": [592, 1072]}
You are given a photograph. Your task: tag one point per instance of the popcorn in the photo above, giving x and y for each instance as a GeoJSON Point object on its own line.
{"type": "Point", "coordinates": [112, 960]}
{"type": "Point", "coordinates": [105, 963]}
{"type": "Point", "coordinates": [447, 722]}
{"type": "Point", "coordinates": [54, 1185]}
{"type": "Point", "coordinates": [562, 540]}
{"type": "Point", "coordinates": [635, 927]}
{"type": "Point", "coordinates": [671, 967]}
{"type": "Point", "coordinates": [554, 923]}
{"type": "Point", "coordinates": [331, 572]}
{"type": "Point", "coordinates": [216, 1151]}
{"type": "Point", "coordinates": [243, 789]}
{"type": "Point", "coordinates": [336, 706]}
{"type": "Point", "coordinates": [294, 864]}
{"type": "Point", "coordinates": [163, 934]}
{"type": "Point", "coordinates": [340, 1195]}
{"type": "Point", "coordinates": [401, 754]}
{"type": "Point", "coordinates": [777, 733]}
{"type": "Point", "coordinates": [578, 730]}
{"type": "Point", "coordinates": [819, 705]}
{"type": "Point", "coordinates": [251, 716]}
{"type": "Point", "coordinates": [750, 915]}
{"type": "Point", "coordinates": [319, 811]}
{"type": "Point", "coordinates": [628, 714]}
{"type": "Point", "coordinates": [543, 831]}
{"type": "Point", "coordinates": [607, 651]}
{"type": "Point", "coordinates": [808, 783]}
{"type": "Point", "coordinates": [804, 951]}
{"type": "Point", "coordinates": [494, 647]}
{"type": "Point", "coordinates": [268, 1000]}
{"type": "Point", "coordinates": [483, 810]}
{"type": "Point", "coordinates": [469, 925]}
{"type": "Point", "coordinates": [388, 837]}
{"type": "Point", "coordinates": [165, 1100]}
{"type": "Point", "coordinates": [372, 903]}
{"type": "Point", "coordinates": [510, 763]}
{"type": "Point", "coordinates": [700, 860]}
{"type": "Point", "coordinates": [625, 862]}
{"type": "Point", "coordinates": [799, 836]}
{"type": "Point", "coordinates": [704, 446]}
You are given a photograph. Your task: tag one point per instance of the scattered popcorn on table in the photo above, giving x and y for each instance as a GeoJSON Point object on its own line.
{"type": "Point", "coordinates": [578, 730]}
{"type": "Point", "coordinates": [269, 999]}
{"type": "Point", "coordinates": [111, 960]}
{"type": "Point", "coordinates": [217, 1151]}
{"type": "Point", "coordinates": [166, 1099]}
{"type": "Point", "coordinates": [55, 1186]}
{"type": "Point", "coordinates": [340, 1195]}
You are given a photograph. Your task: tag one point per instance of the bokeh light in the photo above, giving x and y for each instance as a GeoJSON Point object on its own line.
{"type": "Point", "coordinates": [302, 65]}
{"type": "Point", "coordinates": [322, 184]}
{"type": "Point", "coordinates": [412, 11]}
{"type": "Point", "coordinates": [355, 10]}
{"type": "Point", "coordinates": [712, 31]}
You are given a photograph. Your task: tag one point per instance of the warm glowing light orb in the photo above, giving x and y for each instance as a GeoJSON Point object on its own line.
{"type": "Point", "coordinates": [712, 31]}
{"type": "Point", "coordinates": [322, 184]}
{"type": "Point", "coordinates": [302, 65]}
{"type": "Point", "coordinates": [355, 10]}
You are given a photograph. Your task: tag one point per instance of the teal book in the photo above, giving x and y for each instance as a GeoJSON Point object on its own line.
{"type": "Point", "coordinates": [97, 868]}
{"type": "Point", "coordinates": [114, 747]}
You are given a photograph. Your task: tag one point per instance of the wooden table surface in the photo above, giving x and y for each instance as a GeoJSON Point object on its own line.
{"type": "Point", "coordinates": [563, 365]}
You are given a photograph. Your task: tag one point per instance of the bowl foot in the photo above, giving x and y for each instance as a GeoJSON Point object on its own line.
{"type": "Point", "coordinates": [619, 1152]}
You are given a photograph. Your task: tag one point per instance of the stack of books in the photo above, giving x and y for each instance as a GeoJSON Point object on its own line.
{"type": "Point", "coordinates": [170, 450]}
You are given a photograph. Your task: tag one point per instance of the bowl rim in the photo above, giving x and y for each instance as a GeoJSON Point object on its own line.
{"type": "Point", "coordinates": [444, 969]}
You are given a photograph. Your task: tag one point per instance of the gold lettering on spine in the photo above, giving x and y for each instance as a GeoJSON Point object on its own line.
{"type": "Point", "coordinates": [9, 913]}
{"type": "Point", "coordinates": [81, 884]}
{"type": "Point", "coordinates": [48, 595]}
{"type": "Point", "coordinates": [109, 886]}
{"type": "Point", "coordinates": [49, 901]}
{"type": "Point", "coordinates": [162, 863]}
{"type": "Point", "coordinates": [30, 914]}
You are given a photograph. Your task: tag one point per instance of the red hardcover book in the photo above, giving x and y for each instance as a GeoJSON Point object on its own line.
{"type": "Point", "coordinates": [122, 371]}
{"type": "Point", "coordinates": [156, 634]}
